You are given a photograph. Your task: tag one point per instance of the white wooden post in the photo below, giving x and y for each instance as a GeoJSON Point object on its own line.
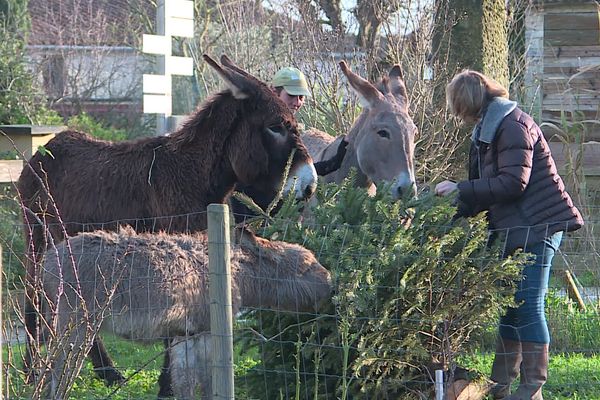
{"type": "Point", "coordinates": [439, 384]}
{"type": "Point", "coordinates": [221, 315]}
{"type": "Point", "coordinates": [173, 18]}
{"type": "Point", "coordinates": [161, 118]}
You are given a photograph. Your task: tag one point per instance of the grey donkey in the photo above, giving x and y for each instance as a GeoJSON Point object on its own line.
{"type": "Point", "coordinates": [150, 287]}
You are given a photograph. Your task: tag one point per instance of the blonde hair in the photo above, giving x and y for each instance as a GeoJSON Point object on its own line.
{"type": "Point", "coordinates": [470, 91]}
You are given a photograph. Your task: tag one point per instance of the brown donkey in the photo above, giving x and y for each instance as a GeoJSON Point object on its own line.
{"type": "Point", "coordinates": [242, 135]}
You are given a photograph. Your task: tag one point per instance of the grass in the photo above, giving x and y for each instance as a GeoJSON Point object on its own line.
{"type": "Point", "coordinates": [571, 376]}
{"type": "Point", "coordinates": [129, 358]}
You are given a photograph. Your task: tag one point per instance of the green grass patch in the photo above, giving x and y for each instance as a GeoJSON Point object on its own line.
{"type": "Point", "coordinates": [140, 364]}
{"type": "Point", "coordinates": [571, 376]}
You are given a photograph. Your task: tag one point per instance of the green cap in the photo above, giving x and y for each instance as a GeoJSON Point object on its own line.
{"type": "Point", "coordinates": [292, 80]}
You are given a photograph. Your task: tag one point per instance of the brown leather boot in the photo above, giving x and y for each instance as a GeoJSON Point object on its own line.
{"type": "Point", "coordinates": [534, 372]}
{"type": "Point", "coordinates": [506, 367]}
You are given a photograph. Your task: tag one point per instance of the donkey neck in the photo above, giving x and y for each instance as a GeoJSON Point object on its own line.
{"type": "Point", "coordinates": [351, 161]}
{"type": "Point", "coordinates": [200, 145]}
{"type": "Point", "coordinates": [210, 125]}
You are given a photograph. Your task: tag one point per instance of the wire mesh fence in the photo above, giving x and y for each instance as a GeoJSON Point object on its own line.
{"type": "Point", "coordinates": [409, 293]}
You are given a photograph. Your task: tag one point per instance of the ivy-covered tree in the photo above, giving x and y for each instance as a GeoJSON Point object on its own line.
{"type": "Point", "coordinates": [472, 34]}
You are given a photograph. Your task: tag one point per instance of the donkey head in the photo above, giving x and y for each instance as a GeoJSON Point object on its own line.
{"type": "Point", "coordinates": [383, 135]}
{"type": "Point", "coordinates": [265, 135]}
{"type": "Point", "coordinates": [279, 275]}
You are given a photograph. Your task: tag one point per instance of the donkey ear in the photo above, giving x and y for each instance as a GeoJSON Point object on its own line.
{"type": "Point", "coordinates": [368, 94]}
{"type": "Point", "coordinates": [396, 72]}
{"type": "Point", "coordinates": [236, 82]}
{"type": "Point", "coordinates": [397, 86]}
{"type": "Point", "coordinates": [226, 61]}
{"type": "Point", "coordinates": [243, 235]}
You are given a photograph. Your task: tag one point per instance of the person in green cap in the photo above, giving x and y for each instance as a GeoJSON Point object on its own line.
{"type": "Point", "coordinates": [291, 87]}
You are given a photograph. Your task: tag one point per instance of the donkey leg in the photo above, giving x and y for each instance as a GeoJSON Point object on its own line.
{"type": "Point", "coordinates": [31, 331]}
{"type": "Point", "coordinates": [103, 365]}
{"type": "Point", "coordinates": [191, 366]}
{"type": "Point", "coordinates": [164, 380]}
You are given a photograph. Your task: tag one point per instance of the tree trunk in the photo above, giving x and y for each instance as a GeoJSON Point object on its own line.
{"type": "Point", "coordinates": [472, 34]}
{"type": "Point", "coordinates": [333, 11]}
{"type": "Point", "coordinates": [468, 34]}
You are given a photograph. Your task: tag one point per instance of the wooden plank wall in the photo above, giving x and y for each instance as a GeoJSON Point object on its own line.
{"type": "Point", "coordinates": [564, 56]}
{"type": "Point", "coordinates": [563, 75]}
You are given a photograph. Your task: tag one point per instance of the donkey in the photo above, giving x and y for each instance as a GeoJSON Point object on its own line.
{"type": "Point", "coordinates": [147, 287]}
{"type": "Point", "coordinates": [381, 140]}
{"type": "Point", "coordinates": [243, 135]}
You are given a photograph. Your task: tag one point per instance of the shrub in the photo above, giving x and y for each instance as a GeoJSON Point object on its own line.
{"type": "Point", "coordinates": [413, 288]}
{"type": "Point", "coordinates": [85, 123]}
{"type": "Point", "coordinates": [22, 101]}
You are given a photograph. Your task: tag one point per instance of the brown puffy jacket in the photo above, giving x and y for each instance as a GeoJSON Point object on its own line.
{"type": "Point", "coordinates": [515, 178]}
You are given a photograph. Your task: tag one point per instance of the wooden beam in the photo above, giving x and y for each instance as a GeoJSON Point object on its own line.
{"type": "Point", "coordinates": [574, 37]}
{"type": "Point", "coordinates": [581, 21]}
{"type": "Point", "coordinates": [10, 170]}
{"type": "Point", "coordinates": [573, 292]}
{"type": "Point", "coordinates": [221, 314]}
{"type": "Point", "coordinates": [572, 51]}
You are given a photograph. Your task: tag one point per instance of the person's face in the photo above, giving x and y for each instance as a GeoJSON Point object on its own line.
{"type": "Point", "coordinates": [293, 102]}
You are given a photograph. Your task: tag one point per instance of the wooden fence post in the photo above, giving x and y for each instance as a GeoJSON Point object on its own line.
{"type": "Point", "coordinates": [572, 290]}
{"type": "Point", "coordinates": [221, 315]}
{"type": "Point", "coordinates": [2, 331]}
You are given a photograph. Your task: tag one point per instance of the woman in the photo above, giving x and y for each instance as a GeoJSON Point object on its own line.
{"type": "Point", "coordinates": [512, 175]}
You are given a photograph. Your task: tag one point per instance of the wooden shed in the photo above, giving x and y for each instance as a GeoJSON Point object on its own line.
{"type": "Point", "coordinates": [563, 62]}
{"type": "Point", "coordinates": [562, 80]}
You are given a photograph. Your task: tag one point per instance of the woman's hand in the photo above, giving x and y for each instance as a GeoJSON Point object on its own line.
{"type": "Point", "coordinates": [445, 188]}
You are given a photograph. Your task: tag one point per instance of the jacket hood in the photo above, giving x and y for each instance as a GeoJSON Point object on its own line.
{"type": "Point", "coordinates": [496, 111]}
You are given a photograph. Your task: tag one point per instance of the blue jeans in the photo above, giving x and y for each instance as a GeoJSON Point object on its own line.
{"type": "Point", "coordinates": [527, 322]}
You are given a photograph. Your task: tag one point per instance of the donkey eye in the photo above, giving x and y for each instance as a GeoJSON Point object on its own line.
{"type": "Point", "coordinates": [383, 133]}
{"type": "Point", "coordinates": [277, 129]}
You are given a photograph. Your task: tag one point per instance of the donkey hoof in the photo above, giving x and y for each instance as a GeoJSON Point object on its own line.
{"type": "Point", "coordinates": [164, 396]}
{"type": "Point", "coordinates": [109, 375]}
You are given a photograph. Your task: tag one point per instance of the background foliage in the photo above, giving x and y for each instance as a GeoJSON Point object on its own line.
{"type": "Point", "coordinates": [21, 101]}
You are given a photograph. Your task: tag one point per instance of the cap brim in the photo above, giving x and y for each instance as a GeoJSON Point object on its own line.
{"type": "Point", "coordinates": [297, 90]}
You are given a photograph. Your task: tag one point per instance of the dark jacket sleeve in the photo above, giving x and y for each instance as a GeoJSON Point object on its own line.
{"type": "Point", "coordinates": [333, 164]}
{"type": "Point", "coordinates": [514, 145]}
